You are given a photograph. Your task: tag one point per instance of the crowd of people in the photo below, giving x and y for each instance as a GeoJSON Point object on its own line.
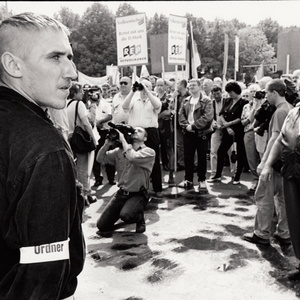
{"type": "Point", "coordinates": [44, 185]}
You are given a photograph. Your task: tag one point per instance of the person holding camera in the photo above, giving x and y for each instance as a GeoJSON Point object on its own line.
{"type": "Point", "coordinates": [269, 194]}
{"type": "Point", "coordinates": [143, 111]}
{"type": "Point", "coordinates": [134, 163]}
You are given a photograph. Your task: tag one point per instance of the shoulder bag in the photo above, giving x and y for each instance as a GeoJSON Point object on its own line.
{"type": "Point", "coordinates": [81, 141]}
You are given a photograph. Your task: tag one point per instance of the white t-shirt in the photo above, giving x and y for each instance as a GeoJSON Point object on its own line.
{"type": "Point", "coordinates": [102, 111]}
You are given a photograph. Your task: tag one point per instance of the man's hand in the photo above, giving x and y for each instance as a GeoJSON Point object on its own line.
{"type": "Point", "coordinates": [225, 124]}
{"type": "Point", "coordinates": [230, 131]}
{"type": "Point", "coordinates": [189, 128]}
{"type": "Point", "coordinates": [266, 173]}
{"type": "Point", "coordinates": [260, 168]}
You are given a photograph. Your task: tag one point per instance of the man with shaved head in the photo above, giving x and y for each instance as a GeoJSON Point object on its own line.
{"type": "Point", "coordinates": [41, 241]}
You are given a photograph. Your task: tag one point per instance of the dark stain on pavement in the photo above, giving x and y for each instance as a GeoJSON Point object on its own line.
{"type": "Point", "coordinates": [243, 202]}
{"type": "Point", "coordinates": [164, 263]}
{"type": "Point", "coordinates": [126, 246]}
{"type": "Point", "coordinates": [134, 298]}
{"type": "Point", "coordinates": [241, 209]}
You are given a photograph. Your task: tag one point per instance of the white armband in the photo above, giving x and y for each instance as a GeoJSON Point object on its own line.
{"type": "Point", "coordinates": [45, 253]}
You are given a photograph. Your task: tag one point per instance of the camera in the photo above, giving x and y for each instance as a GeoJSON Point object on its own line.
{"type": "Point", "coordinates": [137, 87]}
{"type": "Point", "coordinates": [263, 117]}
{"type": "Point", "coordinates": [260, 95]}
{"type": "Point", "coordinates": [126, 129]}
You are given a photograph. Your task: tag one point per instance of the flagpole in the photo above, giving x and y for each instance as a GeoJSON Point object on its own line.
{"type": "Point", "coordinates": [175, 122]}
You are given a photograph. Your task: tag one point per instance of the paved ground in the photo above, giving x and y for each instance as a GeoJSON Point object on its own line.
{"type": "Point", "coordinates": [192, 249]}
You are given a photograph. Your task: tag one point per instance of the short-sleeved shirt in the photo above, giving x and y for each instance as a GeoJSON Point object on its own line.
{"type": "Point", "coordinates": [82, 112]}
{"type": "Point", "coordinates": [278, 118]}
{"type": "Point", "coordinates": [118, 113]}
{"type": "Point", "coordinates": [143, 114]}
{"type": "Point", "coordinates": [290, 155]}
{"type": "Point", "coordinates": [102, 111]}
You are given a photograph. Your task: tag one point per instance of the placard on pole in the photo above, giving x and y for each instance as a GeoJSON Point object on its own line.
{"type": "Point", "coordinates": [177, 37]}
{"type": "Point", "coordinates": [132, 46]}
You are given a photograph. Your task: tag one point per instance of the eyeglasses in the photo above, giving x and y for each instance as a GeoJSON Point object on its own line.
{"type": "Point", "coordinates": [123, 82]}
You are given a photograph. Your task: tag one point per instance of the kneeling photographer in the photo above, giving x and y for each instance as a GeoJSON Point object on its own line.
{"type": "Point", "coordinates": [134, 162]}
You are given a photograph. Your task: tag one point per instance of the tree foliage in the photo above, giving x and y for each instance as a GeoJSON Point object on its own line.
{"type": "Point", "coordinates": [94, 39]}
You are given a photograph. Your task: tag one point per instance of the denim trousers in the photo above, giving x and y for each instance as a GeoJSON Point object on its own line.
{"type": "Point", "coordinates": [193, 143]}
{"type": "Point", "coordinates": [252, 154]}
{"type": "Point", "coordinates": [129, 208]}
{"type": "Point", "coordinates": [269, 197]}
{"type": "Point", "coordinates": [84, 169]}
{"type": "Point", "coordinates": [291, 190]}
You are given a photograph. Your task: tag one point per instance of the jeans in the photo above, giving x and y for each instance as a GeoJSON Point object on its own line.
{"type": "Point", "coordinates": [269, 195]}
{"type": "Point", "coordinates": [252, 154]}
{"type": "Point", "coordinates": [193, 142]}
{"type": "Point", "coordinates": [153, 142]}
{"type": "Point", "coordinates": [128, 208]}
{"type": "Point", "coordinates": [291, 189]}
{"type": "Point", "coordinates": [215, 141]}
{"type": "Point", "coordinates": [180, 151]}
{"type": "Point", "coordinates": [83, 168]}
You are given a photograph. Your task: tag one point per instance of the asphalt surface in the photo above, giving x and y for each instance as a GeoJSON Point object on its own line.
{"type": "Point", "coordinates": [192, 249]}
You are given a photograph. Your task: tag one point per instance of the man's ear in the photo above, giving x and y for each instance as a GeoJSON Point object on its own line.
{"type": "Point", "coordinates": [11, 64]}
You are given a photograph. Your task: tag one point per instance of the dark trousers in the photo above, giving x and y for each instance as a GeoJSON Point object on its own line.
{"type": "Point", "coordinates": [291, 189]}
{"type": "Point", "coordinates": [129, 208]}
{"type": "Point", "coordinates": [166, 134]}
{"type": "Point", "coordinates": [110, 169]}
{"type": "Point", "coordinates": [153, 142]}
{"type": "Point", "coordinates": [227, 141]}
{"type": "Point", "coordinates": [191, 143]}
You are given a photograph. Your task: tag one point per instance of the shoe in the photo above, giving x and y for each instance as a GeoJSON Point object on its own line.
{"type": "Point", "coordinates": [180, 168]}
{"type": "Point", "coordinates": [283, 241]}
{"type": "Point", "coordinates": [253, 186]}
{"type": "Point", "coordinates": [111, 182]}
{"type": "Point", "coordinates": [166, 168]}
{"type": "Point", "coordinates": [294, 275]}
{"type": "Point", "coordinates": [188, 185]}
{"type": "Point", "coordinates": [158, 194]}
{"type": "Point", "coordinates": [171, 182]}
{"type": "Point", "coordinates": [140, 226]}
{"type": "Point", "coordinates": [253, 238]}
{"type": "Point", "coordinates": [97, 183]}
{"type": "Point", "coordinates": [91, 199]}
{"type": "Point", "coordinates": [214, 179]}
{"type": "Point", "coordinates": [202, 185]}
{"type": "Point", "coordinates": [236, 182]}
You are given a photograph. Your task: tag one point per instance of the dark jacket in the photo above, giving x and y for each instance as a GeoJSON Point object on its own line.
{"type": "Point", "coordinates": [203, 115]}
{"type": "Point", "coordinates": [39, 202]}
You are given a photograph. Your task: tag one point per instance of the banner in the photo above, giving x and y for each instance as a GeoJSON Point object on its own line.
{"type": "Point", "coordinates": [237, 45]}
{"type": "Point", "coordinates": [132, 46]}
{"type": "Point", "coordinates": [196, 62]}
{"type": "Point", "coordinates": [84, 79]}
{"type": "Point", "coordinates": [177, 40]}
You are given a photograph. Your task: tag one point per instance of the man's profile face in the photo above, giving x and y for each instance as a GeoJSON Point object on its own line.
{"type": "Point", "coordinates": [217, 95]}
{"type": "Point", "coordinates": [48, 69]}
{"type": "Point", "coordinates": [139, 134]}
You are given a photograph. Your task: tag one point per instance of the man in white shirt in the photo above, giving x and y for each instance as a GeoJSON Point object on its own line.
{"type": "Point", "coordinates": [143, 112]}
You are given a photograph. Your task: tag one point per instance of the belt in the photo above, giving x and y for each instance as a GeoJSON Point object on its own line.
{"type": "Point", "coordinates": [126, 193]}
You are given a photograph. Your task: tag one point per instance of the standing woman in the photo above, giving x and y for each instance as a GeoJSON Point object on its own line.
{"type": "Point", "coordinates": [233, 130]}
{"type": "Point", "coordinates": [82, 162]}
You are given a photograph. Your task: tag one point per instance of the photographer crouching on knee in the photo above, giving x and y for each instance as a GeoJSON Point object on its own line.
{"type": "Point", "coordinates": [134, 162]}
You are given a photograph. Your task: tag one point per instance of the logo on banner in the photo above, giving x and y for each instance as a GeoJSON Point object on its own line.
{"type": "Point", "coordinates": [176, 50]}
{"type": "Point", "coordinates": [132, 50]}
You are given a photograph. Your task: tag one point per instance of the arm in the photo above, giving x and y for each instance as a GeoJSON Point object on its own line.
{"type": "Point", "coordinates": [127, 101]}
{"type": "Point", "coordinates": [104, 155]}
{"type": "Point", "coordinates": [267, 171]}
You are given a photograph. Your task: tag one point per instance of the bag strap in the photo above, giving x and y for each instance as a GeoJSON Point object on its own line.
{"type": "Point", "coordinates": [76, 113]}
{"type": "Point", "coordinates": [70, 102]}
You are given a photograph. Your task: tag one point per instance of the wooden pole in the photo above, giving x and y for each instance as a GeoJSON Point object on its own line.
{"type": "Point", "coordinates": [134, 74]}
{"type": "Point", "coordinates": [175, 122]}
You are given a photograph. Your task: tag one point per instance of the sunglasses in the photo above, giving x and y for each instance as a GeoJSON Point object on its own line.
{"type": "Point", "coordinates": [123, 82]}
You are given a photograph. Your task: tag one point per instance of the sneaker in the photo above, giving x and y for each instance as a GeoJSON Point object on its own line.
{"type": "Point", "coordinates": [236, 182]}
{"type": "Point", "coordinates": [253, 238]}
{"type": "Point", "coordinates": [214, 179]}
{"type": "Point", "coordinates": [158, 194]}
{"type": "Point", "coordinates": [91, 199]}
{"type": "Point", "coordinates": [253, 186]}
{"type": "Point", "coordinates": [188, 185]}
{"type": "Point", "coordinates": [283, 241]}
{"type": "Point", "coordinates": [140, 226]}
{"type": "Point", "coordinates": [202, 185]}
{"type": "Point", "coordinates": [97, 183]}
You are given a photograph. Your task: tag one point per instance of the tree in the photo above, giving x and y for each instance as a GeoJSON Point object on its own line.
{"type": "Point", "coordinates": [271, 29]}
{"type": "Point", "coordinates": [157, 24]}
{"type": "Point", "coordinates": [126, 9]}
{"type": "Point", "coordinates": [68, 18]}
{"type": "Point", "coordinates": [95, 41]}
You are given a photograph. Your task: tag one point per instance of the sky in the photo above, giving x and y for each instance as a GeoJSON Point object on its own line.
{"type": "Point", "coordinates": [286, 13]}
